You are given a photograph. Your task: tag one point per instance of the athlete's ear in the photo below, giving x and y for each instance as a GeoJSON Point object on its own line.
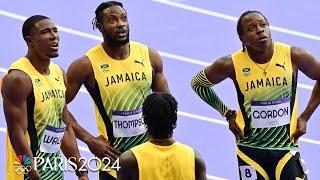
{"type": "Point", "coordinates": [100, 27]}
{"type": "Point", "coordinates": [243, 45]}
{"type": "Point", "coordinates": [28, 40]}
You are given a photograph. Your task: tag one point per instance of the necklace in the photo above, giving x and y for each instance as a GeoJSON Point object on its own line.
{"type": "Point", "coordinates": [263, 69]}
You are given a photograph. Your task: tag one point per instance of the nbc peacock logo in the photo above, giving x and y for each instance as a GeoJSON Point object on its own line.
{"type": "Point", "coordinates": [22, 164]}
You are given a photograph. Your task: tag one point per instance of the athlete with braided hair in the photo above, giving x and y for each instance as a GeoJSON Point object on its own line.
{"type": "Point", "coordinates": [161, 157]}
{"type": "Point", "coordinates": [265, 76]}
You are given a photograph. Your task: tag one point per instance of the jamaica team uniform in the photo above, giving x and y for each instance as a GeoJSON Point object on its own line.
{"type": "Point", "coordinates": [267, 116]}
{"type": "Point", "coordinates": [176, 161]}
{"type": "Point", "coordinates": [45, 125]}
{"type": "Point", "coordinates": [121, 87]}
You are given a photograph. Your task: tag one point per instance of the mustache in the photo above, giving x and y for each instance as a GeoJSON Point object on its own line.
{"type": "Point", "coordinates": [113, 41]}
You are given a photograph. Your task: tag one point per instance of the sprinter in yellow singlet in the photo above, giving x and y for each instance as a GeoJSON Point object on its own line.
{"type": "Point", "coordinates": [119, 74]}
{"type": "Point", "coordinates": [35, 108]}
{"type": "Point", "coordinates": [161, 157]}
{"type": "Point", "coordinates": [267, 125]}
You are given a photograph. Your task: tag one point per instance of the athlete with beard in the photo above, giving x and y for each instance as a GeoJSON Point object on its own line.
{"type": "Point", "coordinates": [119, 74]}
{"type": "Point", "coordinates": [265, 76]}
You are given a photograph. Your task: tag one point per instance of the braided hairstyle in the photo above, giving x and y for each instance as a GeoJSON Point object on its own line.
{"type": "Point", "coordinates": [160, 115]}
{"type": "Point", "coordinates": [100, 8]}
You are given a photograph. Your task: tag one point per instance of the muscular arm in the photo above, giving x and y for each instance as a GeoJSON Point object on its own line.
{"type": "Point", "coordinates": [159, 81]}
{"type": "Point", "coordinates": [202, 83]}
{"type": "Point", "coordinates": [306, 63]}
{"type": "Point", "coordinates": [69, 145]}
{"type": "Point", "coordinates": [128, 167]}
{"type": "Point", "coordinates": [200, 167]}
{"type": "Point", "coordinates": [16, 88]}
{"type": "Point", "coordinates": [80, 72]}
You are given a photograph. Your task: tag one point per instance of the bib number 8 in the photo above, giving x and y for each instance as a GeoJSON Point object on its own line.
{"type": "Point", "coordinates": [248, 173]}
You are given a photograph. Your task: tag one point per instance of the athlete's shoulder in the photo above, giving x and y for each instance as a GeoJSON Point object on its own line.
{"type": "Point", "coordinates": [238, 55]}
{"type": "Point", "coordinates": [185, 146]}
{"type": "Point", "coordinates": [79, 70]}
{"type": "Point", "coordinates": [128, 157]}
{"type": "Point", "coordinates": [83, 63]}
{"type": "Point", "coordinates": [225, 59]}
{"type": "Point", "coordinates": [136, 43]}
{"type": "Point", "coordinates": [305, 62]}
{"type": "Point", "coordinates": [200, 166]}
{"type": "Point", "coordinates": [224, 62]}
{"type": "Point", "coordinates": [129, 166]}
{"type": "Point", "coordinates": [220, 69]}
{"type": "Point", "coordinates": [94, 49]}
{"type": "Point", "coordinates": [155, 59]}
{"type": "Point", "coordinates": [16, 85]}
{"type": "Point", "coordinates": [281, 44]}
{"type": "Point", "coordinates": [19, 63]}
{"type": "Point", "coordinates": [17, 76]}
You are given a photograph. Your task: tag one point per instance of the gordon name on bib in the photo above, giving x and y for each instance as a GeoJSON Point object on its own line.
{"type": "Point", "coordinates": [273, 113]}
{"type": "Point", "coordinates": [128, 123]}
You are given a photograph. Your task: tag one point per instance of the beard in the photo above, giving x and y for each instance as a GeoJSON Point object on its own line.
{"type": "Point", "coordinates": [53, 55]}
{"type": "Point", "coordinates": [113, 41]}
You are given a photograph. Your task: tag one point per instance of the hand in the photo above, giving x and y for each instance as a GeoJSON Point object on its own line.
{"type": "Point", "coordinates": [83, 176]}
{"type": "Point", "coordinates": [34, 175]}
{"type": "Point", "coordinates": [101, 148]}
{"type": "Point", "coordinates": [234, 128]}
{"type": "Point", "coordinates": [301, 128]}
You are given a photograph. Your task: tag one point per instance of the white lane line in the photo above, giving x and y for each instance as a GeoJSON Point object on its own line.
{"type": "Point", "coordinates": [234, 19]}
{"type": "Point", "coordinates": [189, 60]}
{"type": "Point", "coordinates": [215, 177]}
{"type": "Point", "coordinates": [217, 121]}
{"type": "Point", "coordinates": [3, 70]}
{"type": "Point", "coordinates": [2, 129]}
{"type": "Point", "coordinates": [165, 54]}
{"type": "Point", "coordinates": [99, 38]}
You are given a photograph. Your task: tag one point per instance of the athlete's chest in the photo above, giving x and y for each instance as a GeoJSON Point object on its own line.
{"type": "Point", "coordinates": [133, 73]}
{"type": "Point", "coordinates": [255, 79]}
{"type": "Point", "coordinates": [49, 91]}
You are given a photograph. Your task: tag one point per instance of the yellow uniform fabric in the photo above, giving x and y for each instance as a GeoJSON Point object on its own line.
{"type": "Point", "coordinates": [121, 87]}
{"type": "Point", "coordinates": [267, 98]}
{"type": "Point", "coordinates": [176, 161]}
{"type": "Point", "coordinates": [44, 106]}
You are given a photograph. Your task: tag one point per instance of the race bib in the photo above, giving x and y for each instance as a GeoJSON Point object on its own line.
{"type": "Point", "coordinates": [127, 123]}
{"type": "Point", "coordinates": [248, 173]}
{"type": "Point", "coordinates": [274, 113]}
{"type": "Point", "coordinates": [51, 139]}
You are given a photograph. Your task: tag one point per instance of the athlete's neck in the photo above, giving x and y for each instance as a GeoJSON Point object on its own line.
{"type": "Point", "coordinates": [40, 64]}
{"type": "Point", "coordinates": [161, 141]}
{"type": "Point", "coordinates": [117, 52]}
{"type": "Point", "coordinates": [261, 57]}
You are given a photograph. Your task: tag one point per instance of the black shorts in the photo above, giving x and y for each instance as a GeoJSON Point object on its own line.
{"type": "Point", "coordinates": [103, 175]}
{"type": "Point", "coordinates": [259, 164]}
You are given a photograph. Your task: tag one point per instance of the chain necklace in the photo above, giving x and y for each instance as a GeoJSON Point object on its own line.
{"type": "Point", "coordinates": [263, 69]}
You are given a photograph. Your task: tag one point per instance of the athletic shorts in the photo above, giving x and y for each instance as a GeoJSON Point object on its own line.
{"type": "Point", "coordinates": [103, 175]}
{"type": "Point", "coordinates": [262, 164]}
